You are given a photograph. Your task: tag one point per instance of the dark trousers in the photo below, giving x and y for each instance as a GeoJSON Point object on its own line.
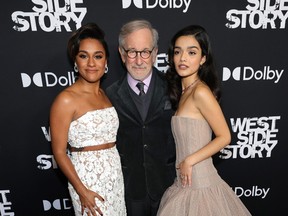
{"type": "Point", "coordinates": [145, 207]}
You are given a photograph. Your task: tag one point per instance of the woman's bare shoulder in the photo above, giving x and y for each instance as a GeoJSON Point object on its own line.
{"type": "Point", "coordinates": [202, 91]}
{"type": "Point", "coordinates": [66, 97]}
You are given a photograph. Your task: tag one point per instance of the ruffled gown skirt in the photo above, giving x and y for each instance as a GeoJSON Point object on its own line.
{"type": "Point", "coordinates": [209, 194]}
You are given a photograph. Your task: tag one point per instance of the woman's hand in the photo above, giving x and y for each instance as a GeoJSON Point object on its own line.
{"type": "Point", "coordinates": [88, 203]}
{"type": "Point", "coordinates": [185, 173]}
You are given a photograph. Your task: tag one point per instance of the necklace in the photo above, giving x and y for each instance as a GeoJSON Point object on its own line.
{"type": "Point", "coordinates": [189, 86]}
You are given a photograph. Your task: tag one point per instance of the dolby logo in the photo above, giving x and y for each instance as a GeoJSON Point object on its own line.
{"type": "Point", "coordinates": [58, 204]}
{"type": "Point", "coordinates": [247, 73]}
{"type": "Point", "coordinates": [47, 79]}
{"type": "Point", "coordinates": [164, 4]}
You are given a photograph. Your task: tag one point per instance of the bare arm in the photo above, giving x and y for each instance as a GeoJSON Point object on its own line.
{"type": "Point", "coordinates": [211, 111]}
{"type": "Point", "coordinates": [61, 115]}
{"type": "Point", "coordinates": [208, 108]}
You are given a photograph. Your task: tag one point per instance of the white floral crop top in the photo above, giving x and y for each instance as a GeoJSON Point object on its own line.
{"type": "Point", "coordinates": [94, 128]}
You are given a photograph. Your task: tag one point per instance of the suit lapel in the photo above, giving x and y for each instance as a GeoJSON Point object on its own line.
{"type": "Point", "coordinates": [129, 106]}
{"type": "Point", "coordinates": [157, 97]}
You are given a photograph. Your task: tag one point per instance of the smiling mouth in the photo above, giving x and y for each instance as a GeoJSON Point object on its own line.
{"type": "Point", "coordinates": [139, 68]}
{"type": "Point", "coordinates": [92, 70]}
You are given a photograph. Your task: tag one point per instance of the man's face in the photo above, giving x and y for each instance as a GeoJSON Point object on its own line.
{"type": "Point", "coordinates": [138, 67]}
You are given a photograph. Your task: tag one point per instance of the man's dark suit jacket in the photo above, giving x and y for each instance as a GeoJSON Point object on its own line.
{"type": "Point", "coordinates": [146, 148]}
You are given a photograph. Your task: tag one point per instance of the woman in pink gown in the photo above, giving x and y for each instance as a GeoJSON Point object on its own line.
{"type": "Point", "coordinates": [198, 189]}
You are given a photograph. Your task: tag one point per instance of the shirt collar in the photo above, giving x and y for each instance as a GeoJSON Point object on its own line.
{"type": "Point", "coordinates": [132, 83]}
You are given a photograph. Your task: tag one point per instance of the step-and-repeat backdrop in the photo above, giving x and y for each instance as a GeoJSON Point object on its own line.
{"type": "Point", "coordinates": [249, 39]}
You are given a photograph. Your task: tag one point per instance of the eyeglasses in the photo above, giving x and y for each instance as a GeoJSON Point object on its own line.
{"type": "Point", "coordinates": [145, 54]}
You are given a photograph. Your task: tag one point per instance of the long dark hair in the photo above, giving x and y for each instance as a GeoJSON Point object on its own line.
{"type": "Point", "coordinates": [207, 72]}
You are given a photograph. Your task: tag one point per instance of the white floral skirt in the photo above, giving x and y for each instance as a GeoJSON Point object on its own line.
{"type": "Point", "coordinates": [100, 171]}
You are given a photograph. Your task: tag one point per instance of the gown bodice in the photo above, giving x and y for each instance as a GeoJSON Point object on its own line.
{"type": "Point", "coordinates": [191, 135]}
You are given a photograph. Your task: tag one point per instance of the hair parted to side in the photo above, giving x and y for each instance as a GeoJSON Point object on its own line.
{"type": "Point", "coordinates": [89, 30]}
{"type": "Point", "coordinates": [135, 25]}
{"type": "Point", "coordinates": [207, 73]}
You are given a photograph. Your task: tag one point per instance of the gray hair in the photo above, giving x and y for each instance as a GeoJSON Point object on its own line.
{"type": "Point", "coordinates": [135, 25]}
